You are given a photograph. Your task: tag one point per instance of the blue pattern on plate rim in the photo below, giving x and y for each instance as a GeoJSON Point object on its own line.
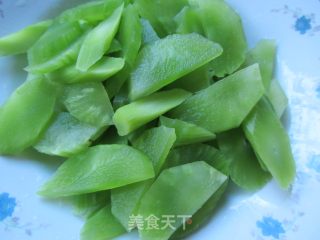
{"type": "Point", "coordinates": [303, 23]}
{"type": "Point", "coordinates": [7, 206]}
{"type": "Point", "coordinates": [8, 220]}
{"type": "Point", "coordinates": [270, 227]}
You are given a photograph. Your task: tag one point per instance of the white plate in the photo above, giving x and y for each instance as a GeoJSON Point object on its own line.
{"type": "Point", "coordinates": [268, 214]}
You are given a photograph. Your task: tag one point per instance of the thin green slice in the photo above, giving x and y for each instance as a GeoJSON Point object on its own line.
{"type": "Point", "coordinates": [195, 81]}
{"type": "Point", "coordinates": [178, 191]}
{"type": "Point", "coordinates": [25, 115]}
{"type": "Point", "coordinates": [130, 37]}
{"type": "Point", "coordinates": [202, 216]}
{"type": "Point", "coordinates": [114, 47]}
{"type": "Point", "coordinates": [99, 72]}
{"type": "Point", "coordinates": [89, 103]}
{"type": "Point", "coordinates": [271, 142]}
{"type": "Point", "coordinates": [111, 137]}
{"type": "Point", "coordinates": [277, 97]}
{"type": "Point", "coordinates": [191, 153]}
{"type": "Point", "coordinates": [166, 60]}
{"type": "Point", "coordinates": [93, 12]}
{"type": "Point", "coordinates": [264, 53]}
{"type": "Point", "coordinates": [244, 167]}
{"type": "Point", "coordinates": [148, 33]}
{"type": "Point", "coordinates": [136, 114]}
{"type": "Point", "coordinates": [98, 41]}
{"type": "Point", "coordinates": [225, 104]}
{"type": "Point", "coordinates": [222, 25]}
{"type": "Point", "coordinates": [22, 40]}
{"type": "Point", "coordinates": [56, 48]}
{"type": "Point", "coordinates": [102, 226]}
{"type": "Point", "coordinates": [160, 13]}
{"type": "Point", "coordinates": [87, 205]}
{"type": "Point", "coordinates": [156, 144]}
{"type": "Point", "coordinates": [98, 168]}
{"type": "Point", "coordinates": [187, 133]}
{"type": "Point", "coordinates": [66, 136]}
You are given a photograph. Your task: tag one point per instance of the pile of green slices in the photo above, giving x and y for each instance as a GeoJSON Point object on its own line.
{"type": "Point", "coordinates": [155, 105]}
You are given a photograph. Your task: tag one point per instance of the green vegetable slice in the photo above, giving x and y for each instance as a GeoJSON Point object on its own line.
{"type": "Point", "coordinates": [223, 163]}
{"type": "Point", "coordinates": [89, 103]}
{"type": "Point", "coordinates": [188, 20]}
{"type": "Point", "coordinates": [264, 53]}
{"type": "Point", "coordinates": [93, 12]}
{"type": "Point", "coordinates": [193, 82]}
{"type": "Point", "coordinates": [277, 97]}
{"type": "Point", "coordinates": [63, 59]}
{"type": "Point", "coordinates": [229, 34]}
{"type": "Point", "coordinates": [22, 40]}
{"type": "Point", "coordinates": [130, 34]}
{"type": "Point", "coordinates": [130, 37]}
{"type": "Point", "coordinates": [164, 61]}
{"type": "Point", "coordinates": [102, 226]}
{"type": "Point", "coordinates": [121, 98]}
{"type": "Point", "coordinates": [148, 33]}
{"type": "Point", "coordinates": [125, 202]}
{"type": "Point", "coordinates": [156, 144]}
{"type": "Point", "coordinates": [142, 111]}
{"type": "Point", "coordinates": [57, 47]}
{"type": "Point", "coordinates": [187, 133]}
{"type": "Point", "coordinates": [225, 104]}
{"type": "Point", "coordinates": [115, 83]}
{"type": "Point", "coordinates": [66, 136]}
{"type": "Point", "coordinates": [271, 143]}
{"type": "Point", "coordinates": [98, 41]}
{"type": "Point", "coordinates": [138, 132]}
{"type": "Point", "coordinates": [178, 184]}
{"type": "Point", "coordinates": [203, 215]}
{"type": "Point", "coordinates": [99, 168]}
{"type": "Point", "coordinates": [87, 205]}
{"type": "Point", "coordinates": [114, 47]}
{"type": "Point", "coordinates": [26, 114]}
{"type": "Point", "coordinates": [99, 72]}
{"type": "Point", "coordinates": [160, 13]}
{"type": "Point", "coordinates": [191, 153]}
{"type": "Point", "coordinates": [244, 167]}
{"type": "Point", "coordinates": [111, 137]}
